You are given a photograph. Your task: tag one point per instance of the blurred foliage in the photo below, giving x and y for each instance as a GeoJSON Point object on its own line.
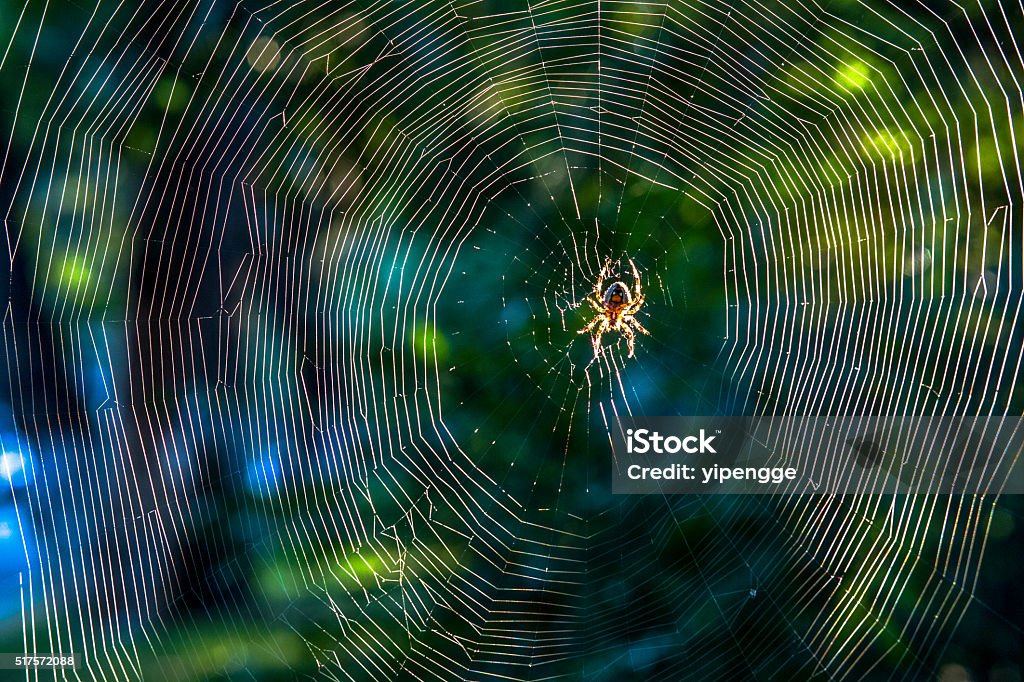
{"type": "Point", "coordinates": [675, 588]}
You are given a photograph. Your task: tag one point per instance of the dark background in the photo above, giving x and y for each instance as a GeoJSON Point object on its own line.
{"type": "Point", "coordinates": [293, 386]}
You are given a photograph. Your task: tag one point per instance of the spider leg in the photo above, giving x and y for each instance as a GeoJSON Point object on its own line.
{"type": "Point", "coordinates": [598, 288]}
{"type": "Point", "coordinates": [636, 325]}
{"type": "Point", "coordinates": [590, 325]}
{"type": "Point", "coordinates": [636, 277]}
{"type": "Point", "coordinates": [597, 336]}
{"type": "Point", "coordinates": [630, 338]}
{"type": "Point", "coordinates": [597, 306]}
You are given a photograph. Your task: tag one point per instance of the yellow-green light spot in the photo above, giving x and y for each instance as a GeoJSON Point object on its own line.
{"type": "Point", "coordinates": [171, 95]}
{"type": "Point", "coordinates": [363, 568]}
{"type": "Point", "coordinates": [854, 75]}
{"type": "Point", "coordinates": [74, 273]}
{"type": "Point", "coordinates": [428, 342]}
{"type": "Point", "coordinates": [886, 144]}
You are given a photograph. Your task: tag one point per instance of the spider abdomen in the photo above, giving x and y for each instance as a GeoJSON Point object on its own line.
{"type": "Point", "coordinates": [617, 296]}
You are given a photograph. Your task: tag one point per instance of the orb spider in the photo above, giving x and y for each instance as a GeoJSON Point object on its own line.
{"type": "Point", "coordinates": [615, 310]}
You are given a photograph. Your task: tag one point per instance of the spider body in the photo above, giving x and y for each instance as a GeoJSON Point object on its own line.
{"type": "Point", "coordinates": [615, 308]}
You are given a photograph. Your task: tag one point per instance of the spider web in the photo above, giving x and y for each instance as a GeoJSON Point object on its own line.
{"type": "Point", "coordinates": [294, 374]}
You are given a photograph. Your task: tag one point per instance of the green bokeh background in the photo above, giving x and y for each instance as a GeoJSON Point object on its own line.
{"type": "Point", "coordinates": [520, 392]}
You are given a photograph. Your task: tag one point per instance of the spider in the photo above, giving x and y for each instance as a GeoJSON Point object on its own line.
{"type": "Point", "coordinates": [615, 310]}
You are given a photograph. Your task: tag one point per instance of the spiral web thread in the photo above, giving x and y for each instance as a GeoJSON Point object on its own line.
{"type": "Point", "coordinates": [244, 341]}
